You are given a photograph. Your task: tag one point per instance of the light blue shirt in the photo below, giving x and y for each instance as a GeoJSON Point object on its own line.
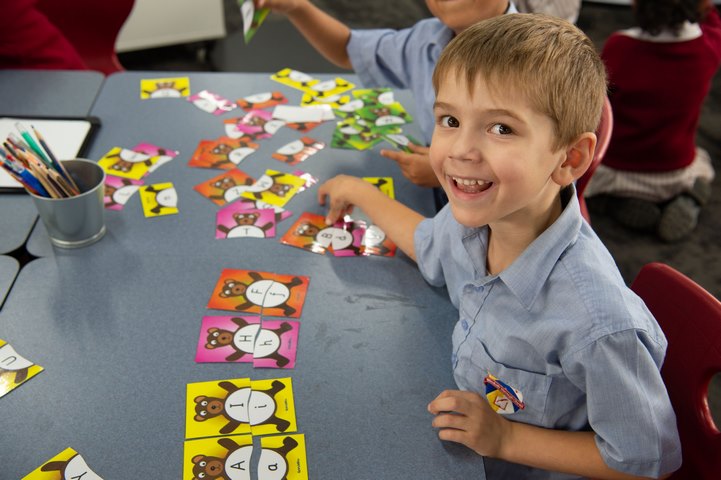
{"type": "Point", "coordinates": [403, 59]}
{"type": "Point", "coordinates": [560, 326]}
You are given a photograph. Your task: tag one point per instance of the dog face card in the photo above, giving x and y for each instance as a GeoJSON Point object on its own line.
{"type": "Point", "coordinates": [226, 187]}
{"type": "Point", "coordinates": [227, 338]}
{"type": "Point", "coordinates": [261, 101]}
{"type": "Point", "coordinates": [311, 233]}
{"type": "Point", "coordinates": [236, 221]}
{"type": "Point", "coordinates": [226, 457]}
{"type": "Point", "coordinates": [271, 409]}
{"type": "Point", "coordinates": [175, 87]}
{"type": "Point", "coordinates": [162, 155]}
{"type": "Point", "coordinates": [283, 457]}
{"type": "Point", "coordinates": [298, 150]}
{"type": "Point", "coordinates": [294, 79]}
{"type": "Point", "coordinates": [159, 200]}
{"type": "Point", "coordinates": [249, 291]}
{"type": "Point", "coordinates": [384, 184]}
{"type": "Point", "coordinates": [274, 187]}
{"type": "Point", "coordinates": [126, 163]}
{"type": "Point", "coordinates": [224, 153]}
{"type": "Point", "coordinates": [118, 191]}
{"type": "Point", "coordinates": [14, 368]}
{"type": "Point", "coordinates": [217, 408]}
{"type": "Point", "coordinates": [66, 465]}
{"type": "Point", "coordinates": [211, 102]}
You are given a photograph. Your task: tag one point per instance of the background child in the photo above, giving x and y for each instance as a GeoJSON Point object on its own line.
{"type": "Point", "coordinates": [557, 361]}
{"type": "Point", "coordinates": [393, 58]}
{"type": "Point", "coordinates": [655, 176]}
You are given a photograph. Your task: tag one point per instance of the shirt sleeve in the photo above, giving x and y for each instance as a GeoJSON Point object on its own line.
{"type": "Point", "coordinates": [427, 252]}
{"type": "Point", "coordinates": [628, 406]}
{"type": "Point", "coordinates": [378, 56]}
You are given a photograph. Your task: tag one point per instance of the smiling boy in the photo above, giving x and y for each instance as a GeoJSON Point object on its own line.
{"type": "Point", "coordinates": [556, 360]}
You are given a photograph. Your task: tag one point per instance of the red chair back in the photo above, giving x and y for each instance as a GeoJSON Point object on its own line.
{"type": "Point", "coordinates": [603, 134]}
{"type": "Point", "coordinates": [691, 320]}
{"type": "Point", "coordinates": [92, 26]}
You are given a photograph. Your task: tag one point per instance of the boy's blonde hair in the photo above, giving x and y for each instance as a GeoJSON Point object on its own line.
{"type": "Point", "coordinates": [546, 59]}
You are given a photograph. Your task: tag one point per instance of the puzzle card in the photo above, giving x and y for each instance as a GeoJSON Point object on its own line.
{"type": "Point", "coordinates": [355, 133]}
{"type": "Point", "coordinates": [126, 163]}
{"type": "Point", "coordinates": [262, 100]}
{"type": "Point", "coordinates": [252, 19]}
{"type": "Point", "coordinates": [311, 233]}
{"type": "Point", "coordinates": [330, 88]}
{"type": "Point", "coordinates": [118, 191]}
{"type": "Point", "coordinates": [211, 102]}
{"type": "Point", "coordinates": [258, 124]}
{"type": "Point", "coordinates": [14, 368]}
{"type": "Point", "coordinates": [303, 126]}
{"type": "Point", "coordinates": [159, 199]}
{"type": "Point", "coordinates": [236, 221]}
{"type": "Point", "coordinates": [227, 338]}
{"type": "Point", "coordinates": [224, 152]}
{"type": "Point", "coordinates": [383, 116]}
{"type": "Point", "coordinates": [271, 407]}
{"type": "Point", "coordinates": [375, 242]}
{"type": "Point", "coordinates": [401, 141]}
{"type": "Point", "coordinates": [310, 180]}
{"type": "Point", "coordinates": [295, 79]}
{"type": "Point", "coordinates": [226, 457]}
{"type": "Point", "coordinates": [175, 87]}
{"type": "Point", "coordinates": [162, 155]}
{"type": "Point", "coordinates": [334, 101]}
{"type": "Point", "coordinates": [274, 187]}
{"type": "Point", "coordinates": [283, 456]}
{"type": "Point", "coordinates": [226, 187]}
{"type": "Point", "coordinates": [218, 407]}
{"type": "Point", "coordinates": [384, 184]}
{"type": "Point", "coordinates": [375, 96]}
{"type": "Point", "coordinates": [66, 465]}
{"type": "Point", "coordinates": [298, 151]}
{"type": "Point", "coordinates": [276, 344]}
{"type": "Point", "coordinates": [250, 204]}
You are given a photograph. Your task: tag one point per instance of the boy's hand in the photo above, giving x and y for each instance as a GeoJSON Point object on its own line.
{"type": "Point", "coordinates": [279, 6]}
{"type": "Point", "coordinates": [466, 417]}
{"type": "Point", "coordinates": [415, 166]}
{"type": "Point", "coordinates": [342, 192]}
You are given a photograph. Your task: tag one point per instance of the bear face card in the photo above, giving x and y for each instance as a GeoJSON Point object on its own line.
{"type": "Point", "coordinates": [311, 233]}
{"type": "Point", "coordinates": [118, 191]}
{"type": "Point", "coordinates": [126, 163]}
{"type": "Point", "coordinates": [249, 291]}
{"type": "Point", "coordinates": [236, 221]}
{"type": "Point", "coordinates": [159, 200]}
{"type": "Point", "coordinates": [174, 87]}
{"type": "Point", "coordinates": [294, 79]}
{"type": "Point", "coordinates": [283, 457]}
{"type": "Point", "coordinates": [262, 101]}
{"type": "Point", "coordinates": [298, 151]}
{"type": "Point", "coordinates": [211, 102]}
{"type": "Point", "coordinates": [271, 407]}
{"type": "Point", "coordinates": [14, 368]}
{"type": "Point", "coordinates": [162, 155]}
{"type": "Point", "coordinates": [274, 187]}
{"type": "Point", "coordinates": [66, 465]}
{"type": "Point", "coordinates": [226, 187]}
{"type": "Point", "coordinates": [224, 152]}
{"type": "Point", "coordinates": [225, 458]}
{"type": "Point", "coordinates": [217, 408]}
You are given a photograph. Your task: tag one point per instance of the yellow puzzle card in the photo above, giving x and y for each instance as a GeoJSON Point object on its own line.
{"type": "Point", "coordinates": [159, 199]}
{"type": "Point", "coordinates": [384, 184]}
{"type": "Point", "coordinates": [175, 87]}
{"type": "Point", "coordinates": [126, 163]}
{"type": "Point", "coordinates": [14, 369]}
{"type": "Point", "coordinates": [217, 408]}
{"type": "Point", "coordinates": [294, 79]}
{"type": "Point", "coordinates": [218, 458]}
{"type": "Point", "coordinates": [271, 408]}
{"type": "Point", "coordinates": [66, 465]}
{"type": "Point", "coordinates": [335, 101]}
{"type": "Point", "coordinates": [330, 88]}
{"type": "Point", "coordinates": [274, 187]}
{"type": "Point", "coordinates": [283, 456]}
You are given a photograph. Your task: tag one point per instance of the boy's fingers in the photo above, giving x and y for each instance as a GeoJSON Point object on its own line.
{"type": "Point", "coordinates": [401, 158]}
{"type": "Point", "coordinates": [418, 148]}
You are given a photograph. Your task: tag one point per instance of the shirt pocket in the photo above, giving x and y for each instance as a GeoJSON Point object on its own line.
{"type": "Point", "coordinates": [532, 387]}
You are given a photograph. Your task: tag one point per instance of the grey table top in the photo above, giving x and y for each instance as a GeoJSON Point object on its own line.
{"type": "Point", "coordinates": [115, 324]}
{"type": "Point", "coordinates": [31, 93]}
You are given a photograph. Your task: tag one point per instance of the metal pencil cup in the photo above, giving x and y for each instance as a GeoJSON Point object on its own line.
{"type": "Point", "coordinates": [80, 220]}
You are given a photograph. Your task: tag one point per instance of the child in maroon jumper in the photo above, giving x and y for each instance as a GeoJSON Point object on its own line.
{"type": "Point", "coordinates": [653, 175]}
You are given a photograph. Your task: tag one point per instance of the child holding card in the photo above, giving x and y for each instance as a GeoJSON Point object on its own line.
{"type": "Point", "coordinates": [384, 57]}
{"type": "Point", "coordinates": [557, 361]}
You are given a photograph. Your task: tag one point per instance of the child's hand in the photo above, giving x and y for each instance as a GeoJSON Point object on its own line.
{"type": "Point", "coordinates": [415, 166]}
{"type": "Point", "coordinates": [343, 192]}
{"type": "Point", "coordinates": [466, 417]}
{"type": "Point", "coordinates": [279, 6]}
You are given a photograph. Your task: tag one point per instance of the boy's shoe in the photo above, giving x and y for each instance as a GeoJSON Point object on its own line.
{"type": "Point", "coordinates": [679, 218]}
{"type": "Point", "coordinates": [636, 213]}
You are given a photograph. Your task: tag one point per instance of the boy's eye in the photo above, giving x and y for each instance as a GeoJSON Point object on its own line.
{"type": "Point", "coordinates": [449, 121]}
{"type": "Point", "coordinates": [501, 129]}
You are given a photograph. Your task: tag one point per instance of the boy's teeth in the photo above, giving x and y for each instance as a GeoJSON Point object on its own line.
{"type": "Point", "coordinates": [468, 181]}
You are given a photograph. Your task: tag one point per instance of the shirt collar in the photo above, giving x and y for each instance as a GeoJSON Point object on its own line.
{"type": "Point", "coordinates": [527, 275]}
{"type": "Point", "coordinates": [688, 31]}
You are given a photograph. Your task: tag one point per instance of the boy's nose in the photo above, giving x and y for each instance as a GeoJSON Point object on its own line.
{"type": "Point", "coordinates": [467, 147]}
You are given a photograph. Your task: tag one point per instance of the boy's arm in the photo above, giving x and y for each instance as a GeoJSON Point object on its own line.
{"type": "Point", "coordinates": [399, 222]}
{"type": "Point", "coordinates": [465, 417]}
{"type": "Point", "coordinates": [326, 34]}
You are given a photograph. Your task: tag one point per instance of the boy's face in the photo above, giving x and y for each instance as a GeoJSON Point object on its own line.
{"type": "Point", "coordinates": [493, 155]}
{"type": "Point", "coordinates": [461, 14]}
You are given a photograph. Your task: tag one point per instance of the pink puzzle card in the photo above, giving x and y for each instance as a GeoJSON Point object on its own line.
{"type": "Point", "coordinates": [236, 221]}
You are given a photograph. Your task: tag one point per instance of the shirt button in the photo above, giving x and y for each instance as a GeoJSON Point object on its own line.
{"type": "Point", "coordinates": [464, 324]}
{"type": "Point", "coordinates": [479, 288]}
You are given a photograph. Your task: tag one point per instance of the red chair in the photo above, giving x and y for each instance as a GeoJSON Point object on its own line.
{"type": "Point", "coordinates": [691, 319]}
{"type": "Point", "coordinates": [603, 133]}
{"type": "Point", "coordinates": [92, 26]}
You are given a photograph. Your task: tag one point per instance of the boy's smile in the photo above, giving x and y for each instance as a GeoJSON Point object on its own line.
{"type": "Point", "coordinates": [461, 14]}
{"type": "Point", "coordinates": [493, 156]}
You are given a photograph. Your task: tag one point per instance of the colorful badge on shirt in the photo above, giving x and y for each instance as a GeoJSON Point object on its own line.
{"type": "Point", "coordinates": [503, 398]}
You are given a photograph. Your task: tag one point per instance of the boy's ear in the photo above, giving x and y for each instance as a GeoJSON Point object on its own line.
{"type": "Point", "coordinates": [577, 159]}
